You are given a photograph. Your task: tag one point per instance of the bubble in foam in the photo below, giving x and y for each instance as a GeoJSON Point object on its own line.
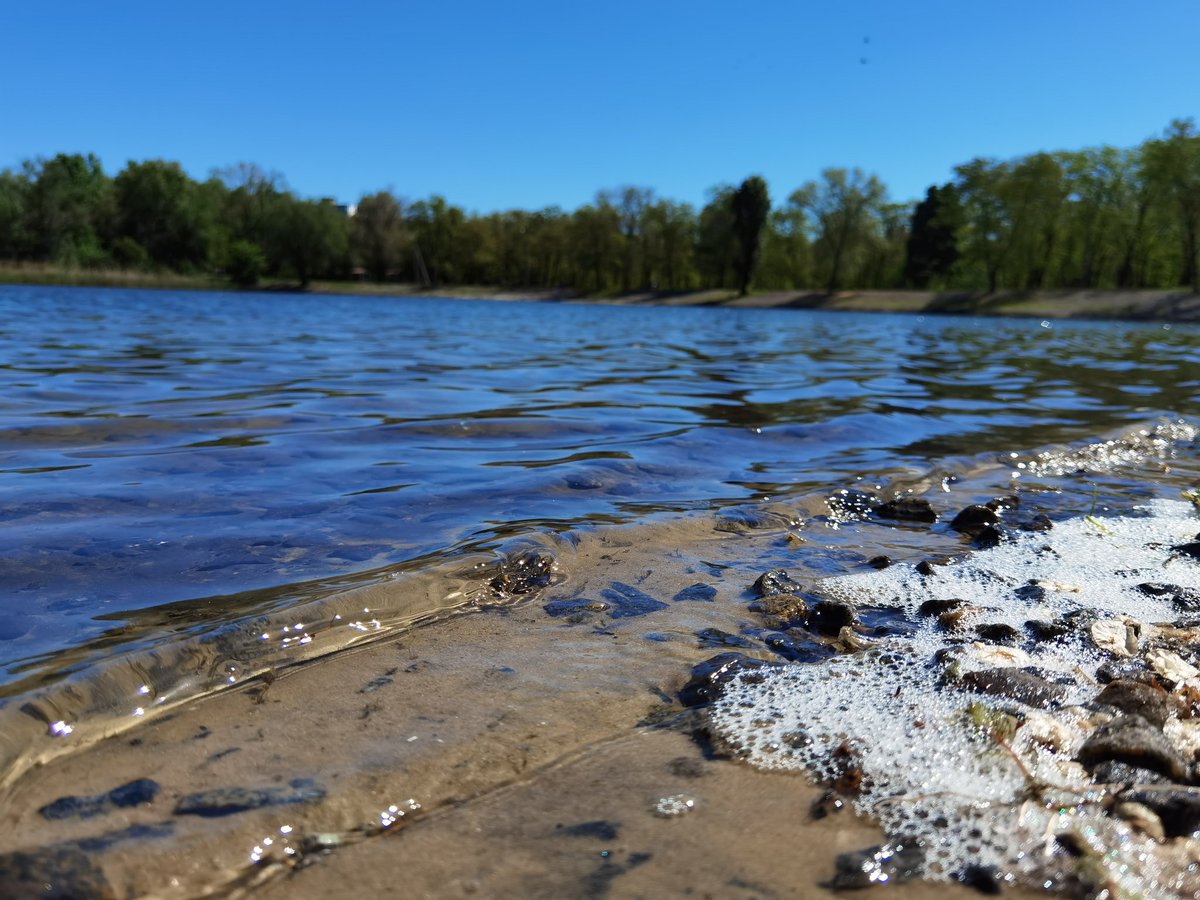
{"type": "Point", "coordinates": [976, 779]}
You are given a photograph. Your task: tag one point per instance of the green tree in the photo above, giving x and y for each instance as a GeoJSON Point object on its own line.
{"type": "Point", "coordinates": [161, 209]}
{"type": "Point", "coordinates": [69, 209]}
{"type": "Point", "coordinates": [1173, 165]}
{"type": "Point", "coordinates": [845, 207]}
{"type": "Point", "coordinates": [932, 246]}
{"type": "Point", "coordinates": [716, 243]}
{"type": "Point", "coordinates": [377, 234]}
{"type": "Point", "coordinates": [750, 205]}
{"type": "Point", "coordinates": [309, 237]}
{"type": "Point", "coordinates": [14, 202]}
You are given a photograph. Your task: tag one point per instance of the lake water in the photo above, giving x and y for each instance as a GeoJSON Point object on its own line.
{"type": "Point", "coordinates": [182, 462]}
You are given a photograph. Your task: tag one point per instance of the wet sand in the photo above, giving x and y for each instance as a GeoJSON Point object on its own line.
{"type": "Point", "coordinates": [536, 748]}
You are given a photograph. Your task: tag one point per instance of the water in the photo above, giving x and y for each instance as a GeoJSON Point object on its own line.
{"type": "Point", "coordinates": [179, 462]}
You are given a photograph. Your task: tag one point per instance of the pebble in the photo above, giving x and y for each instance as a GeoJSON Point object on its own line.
{"type": "Point", "coordinates": [1146, 700]}
{"type": "Point", "coordinates": [53, 873]}
{"type": "Point", "coordinates": [886, 864]}
{"type": "Point", "coordinates": [1015, 684]}
{"type": "Point", "coordinates": [974, 519]}
{"type": "Point", "coordinates": [1178, 808]}
{"type": "Point", "coordinates": [1132, 739]}
{"type": "Point", "coordinates": [907, 509]}
{"type": "Point", "coordinates": [134, 793]}
{"type": "Point", "coordinates": [829, 617]}
{"type": "Point", "coordinates": [699, 592]}
{"type": "Point", "coordinates": [227, 801]}
{"type": "Point", "coordinates": [710, 677]}
{"type": "Point", "coordinates": [777, 581]}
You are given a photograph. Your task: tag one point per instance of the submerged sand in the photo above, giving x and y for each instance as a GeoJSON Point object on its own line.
{"type": "Point", "coordinates": [500, 751]}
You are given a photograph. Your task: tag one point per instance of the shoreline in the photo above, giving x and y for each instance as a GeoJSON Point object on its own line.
{"type": "Point", "coordinates": [1160, 305]}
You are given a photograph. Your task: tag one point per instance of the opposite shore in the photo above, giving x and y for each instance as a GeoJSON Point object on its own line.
{"type": "Point", "coordinates": [1172, 305]}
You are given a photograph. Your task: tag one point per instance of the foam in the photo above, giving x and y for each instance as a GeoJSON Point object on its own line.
{"type": "Point", "coordinates": [931, 772]}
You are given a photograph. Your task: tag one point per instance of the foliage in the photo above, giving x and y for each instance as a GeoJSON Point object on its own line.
{"type": "Point", "coordinates": [1101, 217]}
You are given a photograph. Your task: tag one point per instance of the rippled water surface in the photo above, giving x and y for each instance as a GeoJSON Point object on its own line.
{"type": "Point", "coordinates": [180, 457]}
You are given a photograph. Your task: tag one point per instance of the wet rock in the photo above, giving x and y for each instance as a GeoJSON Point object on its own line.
{"type": "Point", "coordinates": [1030, 592]}
{"type": "Point", "coordinates": [1039, 523]}
{"type": "Point", "coordinates": [879, 621]}
{"type": "Point", "coordinates": [1015, 684]}
{"type": "Point", "coordinates": [1185, 599]}
{"type": "Point", "coordinates": [985, 879]}
{"type": "Point", "coordinates": [990, 536]}
{"type": "Point", "coordinates": [998, 633]}
{"type": "Point", "coordinates": [575, 609]}
{"type": "Point", "coordinates": [879, 562]}
{"type": "Point", "coordinates": [888, 863]}
{"type": "Point", "coordinates": [1114, 772]}
{"type": "Point", "coordinates": [926, 567]}
{"type": "Point", "coordinates": [135, 793]}
{"type": "Point", "coordinates": [715, 637]}
{"type": "Point", "coordinates": [797, 650]}
{"type": "Point", "coordinates": [1048, 631]}
{"type": "Point", "coordinates": [828, 804]}
{"type": "Point", "coordinates": [788, 609]}
{"type": "Point", "coordinates": [1115, 669]}
{"type": "Point", "coordinates": [53, 873]}
{"type": "Point", "coordinates": [699, 592]}
{"type": "Point", "coordinates": [907, 509]}
{"type": "Point", "coordinates": [628, 602]}
{"type": "Point", "coordinates": [710, 677]}
{"type": "Point", "coordinates": [777, 581]}
{"type": "Point", "coordinates": [1149, 701]}
{"type": "Point", "coordinates": [227, 801]}
{"type": "Point", "coordinates": [1178, 808]}
{"type": "Point", "coordinates": [1133, 740]}
{"type": "Point", "coordinates": [938, 607]}
{"type": "Point", "coordinates": [974, 519]}
{"type": "Point", "coordinates": [829, 617]}
{"type": "Point", "coordinates": [850, 504]}
{"type": "Point", "coordinates": [523, 574]}
{"type": "Point", "coordinates": [1009, 501]}
{"type": "Point", "coordinates": [1192, 549]}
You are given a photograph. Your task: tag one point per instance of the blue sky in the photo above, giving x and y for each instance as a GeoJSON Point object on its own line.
{"type": "Point", "coordinates": [527, 104]}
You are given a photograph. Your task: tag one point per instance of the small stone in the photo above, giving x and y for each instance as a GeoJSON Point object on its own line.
{"type": "Point", "coordinates": [628, 602]}
{"type": "Point", "coordinates": [829, 617]}
{"type": "Point", "coordinates": [1113, 772]}
{"type": "Point", "coordinates": [990, 536]}
{"type": "Point", "coordinates": [699, 592]}
{"type": "Point", "coordinates": [1149, 701]}
{"type": "Point", "coordinates": [227, 801]}
{"type": "Point", "coordinates": [710, 677]}
{"type": "Point", "coordinates": [1178, 808]}
{"type": "Point", "coordinates": [998, 633]}
{"type": "Point", "coordinates": [1132, 739]}
{"type": "Point", "coordinates": [886, 864]}
{"type": "Point", "coordinates": [1015, 684]}
{"type": "Point", "coordinates": [985, 879]}
{"type": "Point", "coordinates": [53, 873]}
{"type": "Point", "coordinates": [974, 519]}
{"type": "Point", "coordinates": [1192, 549]}
{"type": "Point", "coordinates": [907, 509]}
{"type": "Point", "coordinates": [1039, 523]}
{"type": "Point", "coordinates": [134, 793]}
{"type": "Point", "coordinates": [938, 607]}
{"type": "Point", "coordinates": [774, 582]}
{"type": "Point", "coordinates": [879, 562]}
{"type": "Point", "coordinates": [926, 568]}
{"type": "Point", "coordinates": [1031, 592]}
{"type": "Point", "coordinates": [788, 609]}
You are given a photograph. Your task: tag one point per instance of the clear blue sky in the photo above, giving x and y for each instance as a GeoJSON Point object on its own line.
{"type": "Point", "coordinates": [526, 104]}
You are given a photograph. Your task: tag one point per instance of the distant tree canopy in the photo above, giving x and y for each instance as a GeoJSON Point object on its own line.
{"type": "Point", "coordinates": [1102, 217]}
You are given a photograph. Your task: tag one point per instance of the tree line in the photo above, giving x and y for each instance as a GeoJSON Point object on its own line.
{"type": "Point", "coordinates": [1103, 217]}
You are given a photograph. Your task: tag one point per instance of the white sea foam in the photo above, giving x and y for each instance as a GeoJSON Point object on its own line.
{"type": "Point", "coordinates": [935, 765]}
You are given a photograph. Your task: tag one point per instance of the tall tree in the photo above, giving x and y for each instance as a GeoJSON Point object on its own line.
{"type": "Point", "coordinates": [932, 247]}
{"type": "Point", "coordinates": [160, 209]}
{"type": "Point", "coordinates": [750, 205]}
{"type": "Point", "coordinates": [377, 234]}
{"type": "Point", "coordinates": [846, 207]}
{"type": "Point", "coordinates": [69, 209]}
{"type": "Point", "coordinates": [1173, 163]}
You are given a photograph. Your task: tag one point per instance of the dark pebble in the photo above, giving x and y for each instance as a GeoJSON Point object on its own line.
{"type": "Point", "coordinates": [828, 617]}
{"type": "Point", "coordinates": [829, 803]}
{"type": "Point", "coordinates": [1132, 739]}
{"type": "Point", "coordinates": [227, 801]}
{"type": "Point", "coordinates": [523, 574]}
{"type": "Point", "coordinates": [628, 602]}
{"type": "Point", "coordinates": [990, 536]}
{"type": "Point", "coordinates": [926, 568]}
{"type": "Point", "coordinates": [600, 829]}
{"type": "Point", "coordinates": [135, 793]}
{"type": "Point", "coordinates": [1192, 549]}
{"type": "Point", "coordinates": [777, 581]}
{"type": "Point", "coordinates": [907, 509]}
{"type": "Point", "coordinates": [375, 684]}
{"type": "Point", "coordinates": [797, 650]}
{"type": "Point", "coordinates": [577, 608]}
{"type": "Point", "coordinates": [998, 633]}
{"type": "Point", "coordinates": [937, 607]}
{"type": "Point", "coordinates": [1185, 599]}
{"type": "Point", "coordinates": [974, 519]}
{"type": "Point", "coordinates": [1030, 593]}
{"type": "Point", "coordinates": [1015, 684]}
{"type": "Point", "coordinates": [886, 864]}
{"type": "Point", "coordinates": [789, 609]}
{"type": "Point", "coordinates": [54, 873]}
{"type": "Point", "coordinates": [1178, 807]}
{"type": "Point", "coordinates": [701, 592]}
{"type": "Point", "coordinates": [985, 879]}
{"type": "Point", "coordinates": [879, 562]}
{"type": "Point", "coordinates": [1113, 772]}
{"type": "Point", "coordinates": [715, 637]}
{"type": "Point", "coordinates": [1149, 701]}
{"type": "Point", "coordinates": [1047, 631]}
{"type": "Point", "coordinates": [1115, 669]}
{"type": "Point", "coordinates": [710, 677]}
{"type": "Point", "coordinates": [1040, 522]}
